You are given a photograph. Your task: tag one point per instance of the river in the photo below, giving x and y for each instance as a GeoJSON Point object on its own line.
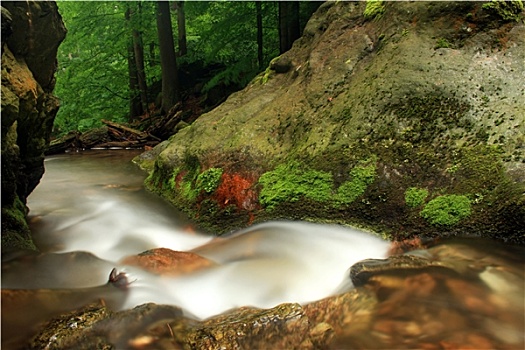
{"type": "Point", "coordinates": [90, 211]}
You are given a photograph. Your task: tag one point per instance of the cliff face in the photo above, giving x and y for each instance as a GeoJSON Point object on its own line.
{"type": "Point", "coordinates": [406, 117]}
{"type": "Point", "coordinates": [31, 34]}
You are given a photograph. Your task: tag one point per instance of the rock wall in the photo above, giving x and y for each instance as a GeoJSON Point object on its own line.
{"type": "Point", "coordinates": [404, 117]}
{"type": "Point", "coordinates": [31, 34]}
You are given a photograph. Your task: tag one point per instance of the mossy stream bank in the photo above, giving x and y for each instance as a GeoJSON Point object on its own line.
{"type": "Point", "coordinates": [374, 123]}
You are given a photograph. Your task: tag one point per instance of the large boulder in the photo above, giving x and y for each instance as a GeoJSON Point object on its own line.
{"type": "Point", "coordinates": [31, 34]}
{"type": "Point", "coordinates": [406, 117]}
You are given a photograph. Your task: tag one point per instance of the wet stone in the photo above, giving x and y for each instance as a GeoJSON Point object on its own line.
{"type": "Point", "coordinates": [363, 270]}
{"type": "Point", "coordinates": [168, 262]}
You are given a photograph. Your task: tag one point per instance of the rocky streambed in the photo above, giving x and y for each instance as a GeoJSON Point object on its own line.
{"type": "Point", "coordinates": [464, 294]}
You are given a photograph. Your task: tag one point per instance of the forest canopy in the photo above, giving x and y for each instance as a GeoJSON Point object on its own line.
{"type": "Point", "coordinates": [110, 66]}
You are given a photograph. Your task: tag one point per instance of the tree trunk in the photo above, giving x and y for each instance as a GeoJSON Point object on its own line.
{"type": "Point", "coordinates": [181, 26]}
{"type": "Point", "coordinates": [152, 58]}
{"type": "Point", "coordinates": [168, 60]}
{"type": "Point", "coordinates": [135, 106]}
{"type": "Point", "coordinates": [289, 25]}
{"type": "Point", "coordinates": [138, 48]}
{"type": "Point", "coordinates": [260, 55]}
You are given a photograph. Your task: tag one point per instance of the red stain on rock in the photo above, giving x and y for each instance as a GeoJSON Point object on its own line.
{"type": "Point", "coordinates": [179, 177]}
{"type": "Point", "coordinates": [165, 261]}
{"type": "Point", "coordinates": [235, 189]}
{"type": "Point", "coordinates": [401, 247]}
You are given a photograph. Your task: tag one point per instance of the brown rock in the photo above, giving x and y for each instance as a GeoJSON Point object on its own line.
{"type": "Point", "coordinates": [165, 261]}
{"type": "Point", "coordinates": [472, 297]}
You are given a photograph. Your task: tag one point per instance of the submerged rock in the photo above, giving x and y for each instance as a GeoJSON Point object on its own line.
{"type": "Point", "coordinates": [168, 262]}
{"type": "Point", "coordinates": [24, 310]}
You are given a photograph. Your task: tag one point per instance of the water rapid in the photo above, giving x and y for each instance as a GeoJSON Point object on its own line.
{"type": "Point", "coordinates": [90, 211]}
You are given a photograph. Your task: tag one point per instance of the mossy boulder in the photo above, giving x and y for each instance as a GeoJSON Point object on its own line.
{"type": "Point", "coordinates": [370, 108]}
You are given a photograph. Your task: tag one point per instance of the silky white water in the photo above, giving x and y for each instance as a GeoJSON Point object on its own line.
{"type": "Point", "coordinates": [90, 212]}
{"type": "Point", "coordinates": [93, 203]}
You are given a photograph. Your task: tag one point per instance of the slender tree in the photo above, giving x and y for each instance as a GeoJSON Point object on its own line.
{"type": "Point", "coordinates": [260, 54]}
{"type": "Point", "coordinates": [152, 58]}
{"type": "Point", "coordinates": [168, 60]}
{"type": "Point", "coordinates": [135, 106]}
{"type": "Point", "coordinates": [181, 28]}
{"type": "Point", "coordinates": [138, 49]}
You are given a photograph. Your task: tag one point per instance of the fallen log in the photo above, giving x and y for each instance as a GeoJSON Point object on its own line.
{"type": "Point", "coordinates": [94, 136]}
{"type": "Point", "coordinates": [119, 144]}
{"type": "Point", "coordinates": [126, 144]}
{"type": "Point", "coordinates": [137, 133]}
{"type": "Point", "coordinates": [67, 142]}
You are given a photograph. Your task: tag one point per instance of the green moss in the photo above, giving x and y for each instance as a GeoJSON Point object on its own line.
{"type": "Point", "coordinates": [15, 231]}
{"type": "Point", "coordinates": [362, 176]}
{"type": "Point", "coordinates": [290, 182]}
{"type": "Point", "coordinates": [507, 10]}
{"type": "Point", "coordinates": [263, 77]}
{"type": "Point", "coordinates": [374, 9]}
{"type": "Point", "coordinates": [187, 190]}
{"type": "Point", "coordinates": [172, 181]}
{"type": "Point", "coordinates": [428, 118]}
{"type": "Point", "coordinates": [209, 180]}
{"type": "Point", "coordinates": [193, 183]}
{"type": "Point", "coordinates": [447, 210]}
{"type": "Point", "coordinates": [443, 43]}
{"type": "Point", "coordinates": [414, 197]}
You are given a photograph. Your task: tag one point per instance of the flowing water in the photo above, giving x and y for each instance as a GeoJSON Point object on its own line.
{"type": "Point", "coordinates": [90, 211]}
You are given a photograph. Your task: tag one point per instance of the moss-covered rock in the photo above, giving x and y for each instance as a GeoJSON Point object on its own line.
{"type": "Point", "coordinates": [369, 109]}
{"type": "Point", "coordinates": [290, 183]}
{"type": "Point", "coordinates": [447, 210]}
{"type": "Point", "coordinates": [415, 197]}
{"type": "Point", "coordinates": [33, 31]}
{"type": "Point", "coordinates": [507, 10]}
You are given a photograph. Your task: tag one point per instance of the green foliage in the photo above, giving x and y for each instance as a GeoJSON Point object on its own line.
{"type": "Point", "coordinates": [507, 10]}
{"type": "Point", "coordinates": [290, 183]}
{"type": "Point", "coordinates": [443, 43]}
{"type": "Point", "coordinates": [92, 76]}
{"type": "Point", "coordinates": [414, 197]}
{"type": "Point", "coordinates": [374, 9]}
{"type": "Point", "coordinates": [223, 33]}
{"type": "Point", "coordinates": [362, 176]}
{"type": "Point", "coordinates": [447, 210]}
{"type": "Point", "coordinates": [209, 180]}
